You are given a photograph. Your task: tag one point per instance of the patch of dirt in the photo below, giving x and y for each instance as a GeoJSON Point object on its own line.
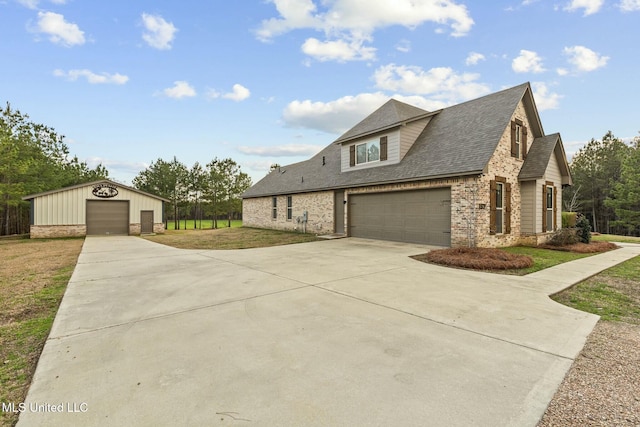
{"type": "Point", "coordinates": [583, 248]}
{"type": "Point", "coordinates": [476, 258]}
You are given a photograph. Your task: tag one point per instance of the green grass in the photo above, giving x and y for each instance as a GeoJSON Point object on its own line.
{"type": "Point", "coordinates": [230, 238]}
{"type": "Point", "coordinates": [614, 294]}
{"type": "Point", "coordinates": [205, 224]}
{"type": "Point", "coordinates": [542, 258]}
{"type": "Point", "coordinates": [615, 238]}
{"type": "Point", "coordinates": [32, 282]}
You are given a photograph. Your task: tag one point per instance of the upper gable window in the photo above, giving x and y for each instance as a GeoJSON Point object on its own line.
{"type": "Point", "coordinates": [518, 139]}
{"type": "Point", "coordinates": [368, 152]}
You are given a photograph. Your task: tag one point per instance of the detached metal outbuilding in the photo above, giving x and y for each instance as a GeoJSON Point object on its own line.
{"type": "Point", "coordinates": [95, 208]}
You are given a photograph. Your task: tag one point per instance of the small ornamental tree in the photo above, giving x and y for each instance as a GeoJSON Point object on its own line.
{"type": "Point", "coordinates": [584, 229]}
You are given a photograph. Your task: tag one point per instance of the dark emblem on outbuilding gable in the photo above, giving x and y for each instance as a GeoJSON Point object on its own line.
{"type": "Point", "coordinates": [105, 191]}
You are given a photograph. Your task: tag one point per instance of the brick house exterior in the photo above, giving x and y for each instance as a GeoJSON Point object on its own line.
{"type": "Point", "coordinates": [480, 173]}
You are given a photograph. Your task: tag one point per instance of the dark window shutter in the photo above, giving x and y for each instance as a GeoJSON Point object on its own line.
{"type": "Point", "coordinates": [524, 142]}
{"type": "Point", "coordinates": [352, 155]}
{"type": "Point", "coordinates": [383, 148]}
{"type": "Point", "coordinates": [555, 208]}
{"type": "Point", "coordinates": [514, 152]}
{"type": "Point", "coordinates": [507, 208]}
{"type": "Point", "coordinates": [544, 208]}
{"type": "Point", "coordinates": [492, 210]}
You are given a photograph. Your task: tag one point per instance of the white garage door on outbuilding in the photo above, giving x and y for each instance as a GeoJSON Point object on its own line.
{"type": "Point", "coordinates": [416, 216]}
{"type": "Point", "coordinates": [95, 208]}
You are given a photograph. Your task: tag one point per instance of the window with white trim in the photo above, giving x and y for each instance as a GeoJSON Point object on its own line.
{"type": "Point", "coordinates": [289, 207]}
{"type": "Point", "coordinates": [499, 207]}
{"type": "Point", "coordinates": [368, 152]}
{"type": "Point", "coordinates": [549, 206]}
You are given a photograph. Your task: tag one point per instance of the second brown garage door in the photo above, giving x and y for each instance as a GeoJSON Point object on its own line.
{"type": "Point", "coordinates": [107, 217]}
{"type": "Point", "coordinates": [419, 216]}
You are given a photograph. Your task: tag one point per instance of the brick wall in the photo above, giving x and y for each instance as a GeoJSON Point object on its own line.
{"type": "Point", "coordinates": [257, 212]}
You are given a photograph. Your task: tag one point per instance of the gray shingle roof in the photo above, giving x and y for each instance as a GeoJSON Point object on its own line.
{"type": "Point", "coordinates": [459, 140]}
{"type": "Point", "coordinates": [538, 157]}
{"type": "Point", "coordinates": [391, 113]}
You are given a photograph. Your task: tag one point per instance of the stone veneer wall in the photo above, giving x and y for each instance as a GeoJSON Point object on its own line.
{"type": "Point", "coordinates": [503, 165]}
{"type": "Point", "coordinates": [47, 231]}
{"type": "Point", "coordinates": [257, 212]}
{"type": "Point", "coordinates": [134, 229]}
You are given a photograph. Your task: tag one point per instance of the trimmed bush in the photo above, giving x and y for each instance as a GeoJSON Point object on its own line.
{"type": "Point", "coordinates": [584, 229]}
{"type": "Point", "coordinates": [564, 237]}
{"type": "Point", "coordinates": [569, 219]}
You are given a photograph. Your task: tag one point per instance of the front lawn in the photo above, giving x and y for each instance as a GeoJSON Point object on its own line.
{"type": "Point", "coordinates": [33, 278]}
{"type": "Point", "coordinates": [229, 238]}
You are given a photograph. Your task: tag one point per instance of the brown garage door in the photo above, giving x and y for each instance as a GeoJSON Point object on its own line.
{"type": "Point", "coordinates": [107, 217]}
{"type": "Point", "coordinates": [419, 216]}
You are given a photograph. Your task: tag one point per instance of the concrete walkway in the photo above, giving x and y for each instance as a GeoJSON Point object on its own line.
{"type": "Point", "coordinates": [343, 332]}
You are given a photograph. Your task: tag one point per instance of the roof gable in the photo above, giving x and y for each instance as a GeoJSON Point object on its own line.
{"type": "Point", "coordinates": [539, 155]}
{"type": "Point", "coordinates": [89, 184]}
{"type": "Point", "coordinates": [392, 113]}
{"type": "Point", "coordinates": [458, 141]}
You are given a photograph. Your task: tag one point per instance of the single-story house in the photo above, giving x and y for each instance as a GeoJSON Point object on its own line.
{"type": "Point", "coordinates": [95, 208]}
{"type": "Point", "coordinates": [482, 172]}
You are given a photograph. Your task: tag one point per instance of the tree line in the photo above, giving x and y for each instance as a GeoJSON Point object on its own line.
{"type": "Point", "coordinates": [33, 159]}
{"type": "Point", "coordinates": [606, 185]}
{"type": "Point", "coordinates": [200, 192]}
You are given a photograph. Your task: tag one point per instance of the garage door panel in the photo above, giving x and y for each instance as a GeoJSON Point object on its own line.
{"type": "Point", "coordinates": [107, 217]}
{"type": "Point", "coordinates": [420, 216]}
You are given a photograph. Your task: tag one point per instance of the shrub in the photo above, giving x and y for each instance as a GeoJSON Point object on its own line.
{"type": "Point", "coordinates": [569, 219]}
{"type": "Point", "coordinates": [584, 229]}
{"type": "Point", "coordinates": [564, 237]}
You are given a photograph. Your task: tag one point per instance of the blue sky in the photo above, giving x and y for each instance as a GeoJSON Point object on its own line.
{"type": "Point", "coordinates": [274, 81]}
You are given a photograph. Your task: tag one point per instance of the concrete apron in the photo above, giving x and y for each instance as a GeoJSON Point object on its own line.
{"type": "Point", "coordinates": [341, 332]}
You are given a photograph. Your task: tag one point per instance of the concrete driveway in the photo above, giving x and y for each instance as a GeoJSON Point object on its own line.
{"type": "Point", "coordinates": [343, 332]}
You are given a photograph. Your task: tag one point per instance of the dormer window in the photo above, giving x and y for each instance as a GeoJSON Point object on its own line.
{"type": "Point", "coordinates": [368, 152]}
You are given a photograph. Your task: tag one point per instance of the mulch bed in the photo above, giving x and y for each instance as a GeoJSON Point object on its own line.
{"type": "Point", "coordinates": [476, 258]}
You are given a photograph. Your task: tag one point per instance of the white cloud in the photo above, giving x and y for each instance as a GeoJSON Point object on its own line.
{"type": "Point", "coordinates": [585, 59]}
{"type": "Point", "coordinates": [527, 62]}
{"type": "Point", "coordinates": [338, 50]}
{"type": "Point", "coordinates": [545, 99]}
{"type": "Point", "coordinates": [238, 93]}
{"type": "Point", "coordinates": [347, 24]}
{"type": "Point", "coordinates": [59, 31]}
{"type": "Point", "coordinates": [590, 6]}
{"type": "Point", "coordinates": [441, 83]}
{"type": "Point", "coordinates": [404, 46]}
{"type": "Point", "coordinates": [562, 71]}
{"type": "Point", "coordinates": [629, 5]}
{"type": "Point", "coordinates": [473, 58]}
{"type": "Point", "coordinates": [93, 78]}
{"type": "Point", "coordinates": [338, 116]}
{"type": "Point", "coordinates": [180, 89]}
{"type": "Point", "coordinates": [159, 33]}
{"type": "Point", "coordinates": [284, 150]}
